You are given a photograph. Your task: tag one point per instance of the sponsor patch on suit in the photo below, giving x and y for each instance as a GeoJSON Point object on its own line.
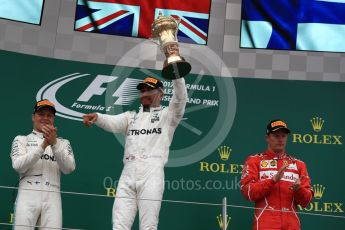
{"type": "Point", "coordinates": [288, 176]}
{"type": "Point", "coordinates": [268, 164]}
{"type": "Point", "coordinates": [292, 166]}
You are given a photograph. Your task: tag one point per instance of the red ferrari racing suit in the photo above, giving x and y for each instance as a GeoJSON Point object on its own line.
{"type": "Point", "coordinates": [275, 203]}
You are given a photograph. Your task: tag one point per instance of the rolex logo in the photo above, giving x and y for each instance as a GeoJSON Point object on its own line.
{"type": "Point", "coordinates": [318, 191]}
{"type": "Point", "coordinates": [224, 152]}
{"type": "Point", "coordinates": [321, 139]}
{"type": "Point", "coordinates": [317, 123]}
{"type": "Point", "coordinates": [220, 221]}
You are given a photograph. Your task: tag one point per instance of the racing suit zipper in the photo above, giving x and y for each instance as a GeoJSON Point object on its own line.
{"type": "Point", "coordinates": [280, 205]}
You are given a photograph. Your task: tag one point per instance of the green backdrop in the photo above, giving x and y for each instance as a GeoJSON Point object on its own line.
{"type": "Point", "coordinates": [227, 114]}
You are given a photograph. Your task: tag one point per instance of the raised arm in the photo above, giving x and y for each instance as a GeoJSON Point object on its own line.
{"type": "Point", "coordinates": [178, 101]}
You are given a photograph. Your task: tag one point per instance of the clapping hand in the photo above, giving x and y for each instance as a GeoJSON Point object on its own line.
{"type": "Point", "coordinates": [297, 184]}
{"type": "Point", "coordinates": [49, 134]}
{"type": "Point", "coordinates": [280, 172]}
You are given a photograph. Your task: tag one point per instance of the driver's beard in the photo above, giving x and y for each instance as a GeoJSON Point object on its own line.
{"type": "Point", "coordinates": [155, 103]}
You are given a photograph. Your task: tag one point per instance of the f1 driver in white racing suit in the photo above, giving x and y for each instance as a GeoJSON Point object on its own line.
{"type": "Point", "coordinates": [38, 158]}
{"type": "Point", "coordinates": [149, 133]}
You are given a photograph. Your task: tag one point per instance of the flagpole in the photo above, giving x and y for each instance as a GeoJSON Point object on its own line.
{"type": "Point", "coordinates": [225, 223]}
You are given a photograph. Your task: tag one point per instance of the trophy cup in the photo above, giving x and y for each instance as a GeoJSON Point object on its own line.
{"type": "Point", "coordinates": [164, 33]}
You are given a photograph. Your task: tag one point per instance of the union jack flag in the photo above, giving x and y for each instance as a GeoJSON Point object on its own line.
{"type": "Point", "coordinates": [133, 18]}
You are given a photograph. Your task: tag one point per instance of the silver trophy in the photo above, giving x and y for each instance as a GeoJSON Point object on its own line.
{"type": "Point", "coordinates": [164, 33]}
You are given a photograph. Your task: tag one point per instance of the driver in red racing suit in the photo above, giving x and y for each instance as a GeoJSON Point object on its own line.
{"type": "Point", "coordinates": [276, 182]}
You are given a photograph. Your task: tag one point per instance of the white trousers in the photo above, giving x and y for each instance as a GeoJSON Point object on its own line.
{"type": "Point", "coordinates": [141, 187]}
{"type": "Point", "coordinates": [37, 208]}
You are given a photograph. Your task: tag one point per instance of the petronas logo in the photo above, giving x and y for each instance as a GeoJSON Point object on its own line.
{"type": "Point", "coordinates": [318, 191]}
{"type": "Point", "coordinates": [224, 152]}
{"type": "Point", "coordinates": [221, 222]}
{"type": "Point", "coordinates": [317, 123]}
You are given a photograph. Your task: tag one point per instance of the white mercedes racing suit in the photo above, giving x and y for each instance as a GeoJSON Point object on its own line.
{"type": "Point", "coordinates": [38, 200]}
{"type": "Point", "coordinates": [148, 137]}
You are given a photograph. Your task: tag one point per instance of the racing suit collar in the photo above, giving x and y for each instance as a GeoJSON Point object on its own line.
{"type": "Point", "coordinates": [38, 134]}
{"type": "Point", "coordinates": [271, 154]}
